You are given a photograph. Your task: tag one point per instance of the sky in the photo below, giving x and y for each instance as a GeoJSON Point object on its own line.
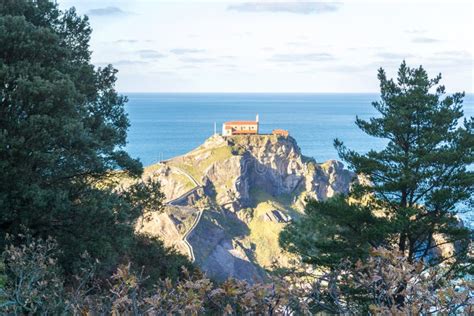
{"type": "Point", "coordinates": [268, 46]}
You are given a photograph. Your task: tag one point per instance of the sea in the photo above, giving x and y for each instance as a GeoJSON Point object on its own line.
{"type": "Point", "coordinates": [165, 125]}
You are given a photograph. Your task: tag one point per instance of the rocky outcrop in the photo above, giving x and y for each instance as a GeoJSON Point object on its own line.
{"type": "Point", "coordinates": [174, 182]}
{"type": "Point", "coordinates": [328, 179]}
{"type": "Point", "coordinates": [274, 165]}
{"type": "Point", "coordinates": [246, 188]}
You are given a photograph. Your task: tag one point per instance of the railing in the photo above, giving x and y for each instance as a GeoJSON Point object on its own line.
{"type": "Point", "coordinates": [198, 218]}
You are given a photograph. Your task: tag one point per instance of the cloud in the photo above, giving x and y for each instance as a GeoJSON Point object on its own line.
{"type": "Point", "coordinates": [164, 72]}
{"type": "Point", "coordinates": [129, 41]}
{"type": "Point", "coordinates": [150, 54]}
{"type": "Point", "coordinates": [454, 53]}
{"type": "Point", "coordinates": [425, 40]}
{"type": "Point", "coordinates": [197, 60]}
{"type": "Point", "coordinates": [415, 31]}
{"type": "Point", "coordinates": [187, 66]}
{"type": "Point", "coordinates": [183, 51]}
{"type": "Point", "coordinates": [346, 68]}
{"type": "Point", "coordinates": [301, 57]}
{"type": "Point", "coordinates": [452, 64]}
{"type": "Point", "coordinates": [122, 62]}
{"type": "Point", "coordinates": [398, 56]}
{"type": "Point", "coordinates": [446, 59]}
{"type": "Point", "coordinates": [298, 44]}
{"type": "Point", "coordinates": [289, 7]}
{"type": "Point", "coordinates": [227, 67]}
{"type": "Point", "coordinates": [106, 11]}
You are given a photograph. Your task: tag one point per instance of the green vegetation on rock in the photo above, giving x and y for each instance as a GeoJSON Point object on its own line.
{"type": "Point", "coordinates": [196, 162]}
{"type": "Point", "coordinates": [264, 235]}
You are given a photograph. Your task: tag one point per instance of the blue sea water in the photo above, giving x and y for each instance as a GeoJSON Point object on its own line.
{"type": "Point", "coordinates": [164, 125]}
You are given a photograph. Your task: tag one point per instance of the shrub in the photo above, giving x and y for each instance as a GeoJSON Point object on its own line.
{"type": "Point", "coordinates": [387, 283]}
{"type": "Point", "coordinates": [34, 282]}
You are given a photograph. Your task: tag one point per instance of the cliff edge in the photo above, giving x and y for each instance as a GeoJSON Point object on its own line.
{"type": "Point", "coordinates": [229, 199]}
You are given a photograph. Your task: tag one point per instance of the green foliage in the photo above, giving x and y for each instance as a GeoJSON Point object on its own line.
{"type": "Point", "coordinates": [238, 150]}
{"type": "Point", "coordinates": [421, 177]}
{"type": "Point", "coordinates": [416, 185]}
{"type": "Point", "coordinates": [35, 286]}
{"type": "Point", "coordinates": [62, 130]}
{"type": "Point", "coordinates": [149, 257]}
{"type": "Point", "coordinates": [35, 283]}
{"type": "Point", "coordinates": [331, 231]}
{"type": "Point", "coordinates": [195, 165]}
{"type": "Point", "coordinates": [387, 283]}
{"type": "Point", "coordinates": [3, 277]}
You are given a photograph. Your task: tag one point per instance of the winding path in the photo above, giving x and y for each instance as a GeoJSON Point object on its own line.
{"type": "Point", "coordinates": [184, 196]}
{"type": "Point", "coordinates": [185, 237]}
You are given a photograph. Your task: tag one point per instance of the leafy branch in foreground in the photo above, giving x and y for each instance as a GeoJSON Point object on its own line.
{"type": "Point", "coordinates": [387, 283]}
{"type": "Point", "coordinates": [35, 285]}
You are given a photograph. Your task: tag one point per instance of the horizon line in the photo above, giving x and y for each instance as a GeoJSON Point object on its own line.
{"type": "Point", "coordinates": [262, 92]}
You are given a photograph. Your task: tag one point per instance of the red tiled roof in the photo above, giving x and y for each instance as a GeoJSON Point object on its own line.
{"type": "Point", "coordinates": [241, 123]}
{"type": "Point", "coordinates": [280, 132]}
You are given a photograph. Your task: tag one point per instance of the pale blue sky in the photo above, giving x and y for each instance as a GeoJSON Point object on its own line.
{"type": "Point", "coordinates": [189, 46]}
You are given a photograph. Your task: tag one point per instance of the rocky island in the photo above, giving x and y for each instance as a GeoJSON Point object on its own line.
{"type": "Point", "coordinates": [228, 199]}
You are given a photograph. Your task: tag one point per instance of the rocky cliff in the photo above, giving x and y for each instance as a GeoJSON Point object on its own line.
{"type": "Point", "coordinates": [229, 198]}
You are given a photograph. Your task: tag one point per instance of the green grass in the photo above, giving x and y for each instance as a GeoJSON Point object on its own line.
{"type": "Point", "coordinates": [196, 167]}
{"type": "Point", "coordinates": [180, 178]}
{"type": "Point", "coordinates": [282, 201]}
{"type": "Point", "coordinates": [264, 235]}
{"type": "Point", "coordinates": [177, 177]}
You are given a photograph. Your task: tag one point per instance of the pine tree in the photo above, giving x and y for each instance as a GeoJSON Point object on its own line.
{"type": "Point", "coordinates": [418, 184]}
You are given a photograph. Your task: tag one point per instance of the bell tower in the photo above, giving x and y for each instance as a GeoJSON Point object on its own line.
{"type": "Point", "coordinates": [258, 124]}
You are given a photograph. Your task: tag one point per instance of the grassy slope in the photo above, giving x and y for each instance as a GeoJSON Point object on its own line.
{"type": "Point", "coordinates": [196, 167]}
{"type": "Point", "coordinates": [180, 178]}
{"type": "Point", "coordinates": [264, 234]}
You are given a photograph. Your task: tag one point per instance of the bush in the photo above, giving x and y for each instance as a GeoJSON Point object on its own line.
{"type": "Point", "coordinates": [387, 283]}
{"type": "Point", "coordinates": [238, 150]}
{"type": "Point", "coordinates": [34, 282]}
{"type": "Point", "coordinates": [35, 286]}
{"type": "Point", "coordinates": [150, 257]}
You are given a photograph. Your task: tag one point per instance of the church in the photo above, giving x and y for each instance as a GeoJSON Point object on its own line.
{"type": "Point", "coordinates": [240, 127]}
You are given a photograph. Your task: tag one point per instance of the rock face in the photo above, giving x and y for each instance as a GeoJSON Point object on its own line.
{"type": "Point", "coordinates": [247, 188]}
{"type": "Point", "coordinates": [271, 164]}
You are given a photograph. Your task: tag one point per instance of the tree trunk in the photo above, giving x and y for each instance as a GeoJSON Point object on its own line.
{"type": "Point", "coordinates": [402, 242]}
